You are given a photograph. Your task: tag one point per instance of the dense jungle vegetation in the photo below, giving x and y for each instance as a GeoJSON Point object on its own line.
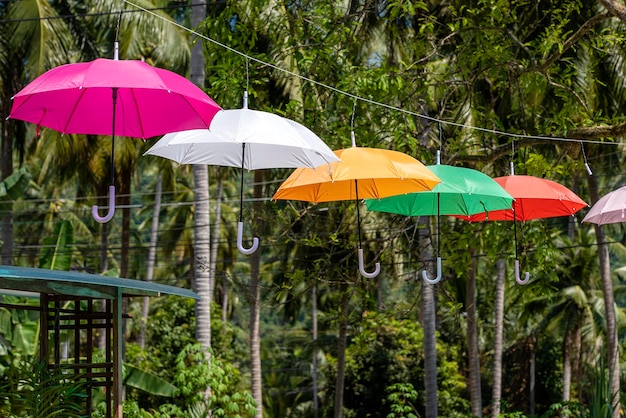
{"type": "Point", "coordinates": [294, 330]}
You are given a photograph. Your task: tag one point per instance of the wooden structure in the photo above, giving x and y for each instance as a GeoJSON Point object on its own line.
{"type": "Point", "coordinates": [55, 290]}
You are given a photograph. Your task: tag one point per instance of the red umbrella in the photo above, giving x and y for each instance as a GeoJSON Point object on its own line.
{"type": "Point", "coordinates": [534, 198]}
{"type": "Point", "coordinates": [113, 97]}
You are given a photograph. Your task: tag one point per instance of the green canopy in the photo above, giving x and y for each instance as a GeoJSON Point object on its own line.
{"type": "Point", "coordinates": [462, 191]}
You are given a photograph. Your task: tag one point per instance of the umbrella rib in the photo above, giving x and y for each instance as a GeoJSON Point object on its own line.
{"type": "Point", "coordinates": [193, 109]}
{"type": "Point", "coordinates": [71, 114]}
{"type": "Point", "coordinates": [137, 109]}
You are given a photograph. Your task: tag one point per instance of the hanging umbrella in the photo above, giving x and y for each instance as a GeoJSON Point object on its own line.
{"type": "Point", "coordinates": [249, 139]}
{"type": "Point", "coordinates": [462, 191]}
{"type": "Point", "coordinates": [113, 97]}
{"type": "Point", "coordinates": [535, 198]}
{"type": "Point", "coordinates": [361, 173]}
{"type": "Point", "coordinates": [609, 209]}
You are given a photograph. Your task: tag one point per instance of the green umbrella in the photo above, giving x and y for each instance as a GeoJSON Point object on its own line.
{"type": "Point", "coordinates": [462, 191]}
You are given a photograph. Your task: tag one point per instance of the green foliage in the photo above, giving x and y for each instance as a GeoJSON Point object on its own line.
{"type": "Point", "coordinates": [385, 352]}
{"type": "Point", "coordinates": [14, 187]}
{"type": "Point", "coordinates": [197, 370]}
{"type": "Point", "coordinates": [20, 331]}
{"type": "Point", "coordinates": [400, 398]}
{"type": "Point", "coordinates": [140, 379]}
{"type": "Point", "coordinates": [32, 390]}
{"type": "Point", "coordinates": [56, 253]}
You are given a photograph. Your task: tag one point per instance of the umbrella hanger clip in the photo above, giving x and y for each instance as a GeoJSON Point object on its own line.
{"type": "Point", "coordinates": [582, 147]}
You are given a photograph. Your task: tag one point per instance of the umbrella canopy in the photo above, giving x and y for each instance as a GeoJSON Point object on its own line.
{"type": "Point", "coordinates": [609, 209]}
{"type": "Point", "coordinates": [271, 141]}
{"type": "Point", "coordinates": [79, 99]}
{"type": "Point", "coordinates": [535, 198]}
{"type": "Point", "coordinates": [462, 191]}
{"type": "Point", "coordinates": [361, 173]}
{"type": "Point", "coordinates": [113, 97]}
{"type": "Point", "coordinates": [249, 139]}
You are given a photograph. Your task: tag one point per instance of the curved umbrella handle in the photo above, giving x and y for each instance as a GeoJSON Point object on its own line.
{"type": "Point", "coordinates": [110, 213]}
{"type": "Point", "coordinates": [242, 249]}
{"type": "Point", "coordinates": [517, 276]}
{"type": "Point", "coordinates": [362, 267]}
{"type": "Point", "coordinates": [437, 278]}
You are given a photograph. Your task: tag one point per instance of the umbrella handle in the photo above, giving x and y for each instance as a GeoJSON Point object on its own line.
{"type": "Point", "coordinates": [437, 278]}
{"type": "Point", "coordinates": [362, 267]}
{"type": "Point", "coordinates": [517, 276]}
{"type": "Point", "coordinates": [242, 249]}
{"type": "Point", "coordinates": [110, 213]}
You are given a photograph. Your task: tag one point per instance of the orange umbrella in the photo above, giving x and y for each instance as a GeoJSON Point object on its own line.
{"type": "Point", "coordinates": [362, 173]}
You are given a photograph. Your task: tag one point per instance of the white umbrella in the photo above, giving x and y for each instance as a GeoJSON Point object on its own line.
{"type": "Point", "coordinates": [249, 139]}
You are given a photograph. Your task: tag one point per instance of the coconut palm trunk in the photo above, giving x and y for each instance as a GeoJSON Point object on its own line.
{"type": "Point", "coordinates": [202, 232]}
{"type": "Point", "coordinates": [472, 340]}
{"type": "Point", "coordinates": [154, 229]}
{"type": "Point", "coordinates": [255, 304]}
{"type": "Point", "coordinates": [430, 349]}
{"type": "Point", "coordinates": [496, 392]}
{"type": "Point", "coordinates": [342, 342]}
{"type": "Point", "coordinates": [429, 323]}
{"type": "Point", "coordinates": [215, 238]}
{"type": "Point", "coordinates": [609, 306]}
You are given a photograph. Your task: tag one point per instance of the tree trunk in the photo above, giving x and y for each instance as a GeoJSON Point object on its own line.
{"type": "Point", "coordinates": [533, 373]}
{"type": "Point", "coordinates": [429, 322]}
{"type": "Point", "coordinates": [255, 304]}
{"type": "Point", "coordinates": [6, 169]}
{"type": "Point", "coordinates": [430, 349]}
{"type": "Point", "coordinates": [472, 340]}
{"type": "Point", "coordinates": [154, 229]}
{"type": "Point", "coordinates": [255, 340]}
{"type": "Point", "coordinates": [314, 320]}
{"type": "Point", "coordinates": [202, 255]}
{"type": "Point", "coordinates": [202, 233]}
{"type": "Point", "coordinates": [609, 306]}
{"type": "Point", "coordinates": [567, 366]}
{"type": "Point", "coordinates": [497, 344]}
{"type": "Point", "coordinates": [215, 238]}
{"type": "Point", "coordinates": [576, 358]}
{"type": "Point", "coordinates": [342, 342]}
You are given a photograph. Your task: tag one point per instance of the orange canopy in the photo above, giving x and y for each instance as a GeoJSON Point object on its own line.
{"type": "Point", "coordinates": [373, 172]}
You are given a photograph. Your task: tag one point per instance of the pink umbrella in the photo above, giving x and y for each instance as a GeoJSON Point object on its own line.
{"type": "Point", "coordinates": [113, 97]}
{"type": "Point", "coordinates": [609, 209]}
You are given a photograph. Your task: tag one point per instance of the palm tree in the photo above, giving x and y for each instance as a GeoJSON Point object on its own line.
{"type": "Point", "coordinates": [202, 250]}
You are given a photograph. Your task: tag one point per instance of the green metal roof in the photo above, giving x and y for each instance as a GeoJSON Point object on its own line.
{"type": "Point", "coordinates": [82, 284]}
